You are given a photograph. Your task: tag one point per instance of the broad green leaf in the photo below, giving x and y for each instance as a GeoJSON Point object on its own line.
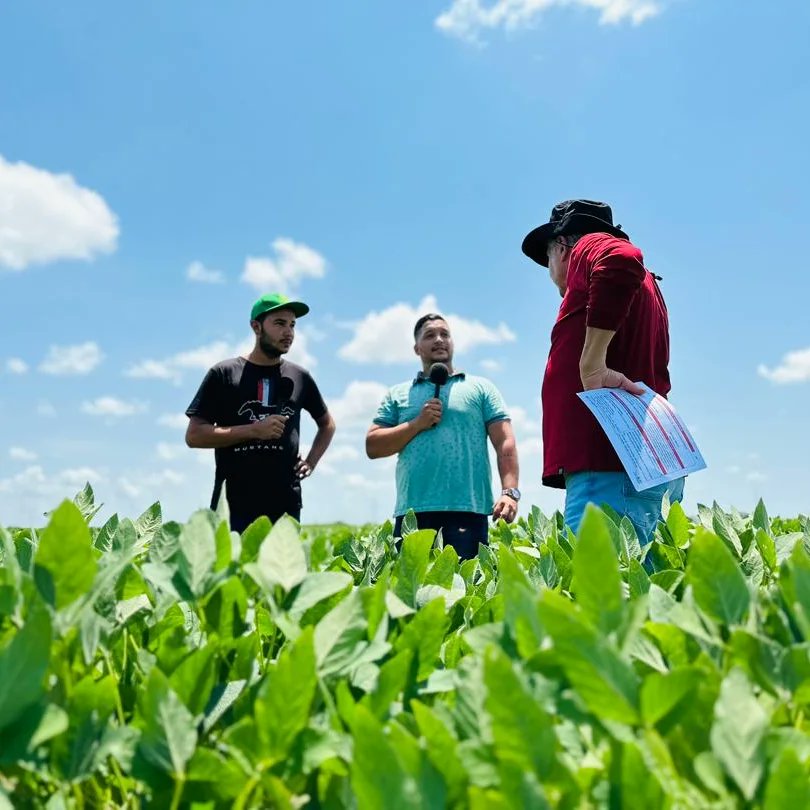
{"type": "Point", "coordinates": [104, 538]}
{"type": "Point", "coordinates": [198, 552]}
{"type": "Point", "coordinates": [639, 788]}
{"type": "Point", "coordinates": [719, 586]}
{"type": "Point", "coordinates": [522, 730]}
{"type": "Point", "coordinates": [169, 735]}
{"type": "Point", "coordinates": [340, 635]}
{"type": "Point", "coordinates": [760, 519]}
{"type": "Point", "coordinates": [150, 521]}
{"type": "Point", "coordinates": [378, 778]}
{"type": "Point", "coordinates": [737, 732]}
{"type": "Point", "coordinates": [678, 524]}
{"type": "Point", "coordinates": [284, 700]}
{"type": "Point", "coordinates": [789, 783]}
{"type": "Point", "coordinates": [316, 587]}
{"type": "Point", "coordinates": [442, 749]}
{"type": "Point", "coordinates": [393, 677]}
{"type": "Point", "coordinates": [424, 635]}
{"type": "Point", "coordinates": [723, 528]}
{"type": "Point", "coordinates": [520, 604]}
{"type": "Point", "coordinates": [65, 563]}
{"type": "Point", "coordinates": [195, 677]}
{"type": "Point", "coordinates": [597, 584]}
{"type": "Point", "coordinates": [23, 664]}
{"type": "Point", "coordinates": [661, 693]}
{"type": "Point", "coordinates": [416, 764]}
{"type": "Point", "coordinates": [603, 679]}
{"type": "Point", "coordinates": [281, 557]}
{"type": "Point", "coordinates": [411, 567]}
{"type": "Point", "coordinates": [253, 537]}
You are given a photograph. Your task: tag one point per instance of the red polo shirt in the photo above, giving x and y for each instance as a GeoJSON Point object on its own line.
{"type": "Point", "coordinates": [608, 287]}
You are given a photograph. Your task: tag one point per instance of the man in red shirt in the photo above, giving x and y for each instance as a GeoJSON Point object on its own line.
{"type": "Point", "coordinates": [612, 329]}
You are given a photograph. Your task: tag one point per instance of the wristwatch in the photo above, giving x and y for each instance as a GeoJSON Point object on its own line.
{"type": "Point", "coordinates": [512, 492]}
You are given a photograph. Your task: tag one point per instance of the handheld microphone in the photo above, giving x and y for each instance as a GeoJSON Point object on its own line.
{"type": "Point", "coordinates": [438, 375]}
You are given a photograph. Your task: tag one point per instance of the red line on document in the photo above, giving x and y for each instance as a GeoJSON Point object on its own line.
{"type": "Point", "coordinates": [676, 419]}
{"type": "Point", "coordinates": [669, 441]}
{"type": "Point", "coordinates": [643, 432]}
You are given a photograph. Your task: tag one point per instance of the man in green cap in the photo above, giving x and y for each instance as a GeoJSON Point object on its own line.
{"type": "Point", "coordinates": [248, 409]}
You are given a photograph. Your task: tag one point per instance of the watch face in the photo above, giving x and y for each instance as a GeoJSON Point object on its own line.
{"type": "Point", "coordinates": [512, 492]}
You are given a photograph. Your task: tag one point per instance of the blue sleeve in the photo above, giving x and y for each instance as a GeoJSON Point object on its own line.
{"type": "Point", "coordinates": [493, 406]}
{"type": "Point", "coordinates": [388, 412]}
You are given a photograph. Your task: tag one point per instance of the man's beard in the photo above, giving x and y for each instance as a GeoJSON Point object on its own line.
{"type": "Point", "coordinates": [269, 349]}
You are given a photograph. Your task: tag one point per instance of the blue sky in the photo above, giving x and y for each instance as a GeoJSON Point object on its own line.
{"type": "Point", "coordinates": [162, 164]}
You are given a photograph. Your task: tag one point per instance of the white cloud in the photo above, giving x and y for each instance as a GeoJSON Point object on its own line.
{"type": "Point", "coordinates": [756, 477]}
{"type": "Point", "coordinates": [32, 482]}
{"type": "Point", "coordinates": [14, 365]}
{"type": "Point", "coordinates": [293, 261]}
{"type": "Point", "coordinates": [46, 409]}
{"type": "Point", "coordinates": [387, 336]}
{"type": "Point", "coordinates": [21, 454]}
{"type": "Point", "coordinates": [795, 367]}
{"type": "Point", "coordinates": [358, 404]}
{"type": "Point", "coordinates": [491, 366]}
{"type": "Point", "coordinates": [112, 407]}
{"type": "Point", "coordinates": [48, 216]}
{"type": "Point", "coordinates": [522, 423]}
{"type": "Point", "coordinates": [198, 272]}
{"type": "Point", "coordinates": [203, 357]}
{"type": "Point", "coordinates": [70, 360]}
{"type": "Point", "coordinates": [177, 421]}
{"type": "Point", "coordinates": [467, 19]}
{"type": "Point", "coordinates": [149, 486]}
{"type": "Point", "coordinates": [170, 452]}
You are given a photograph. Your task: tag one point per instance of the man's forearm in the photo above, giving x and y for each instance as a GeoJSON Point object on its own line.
{"type": "Point", "coordinates": [594, 352]}
{"type": "Point", "coordinates": [207, 436]}
{"type": "Point", "coordinates": [389, 441]}
{"type": "Point", "coordinates": [508, 468]}
{"type": "Point", "coordinates": [322, 440]}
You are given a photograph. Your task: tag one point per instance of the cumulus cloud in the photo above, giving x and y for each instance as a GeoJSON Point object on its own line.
{"type": "Point", "coordinates": [387, 336]}
{"type": "Point", "coordinates": [14, 365]}
{"type": "Point", "coordinates": [467, 19]}
{"type": "Point", "coordinates": [491, 366]}
{"type": "Point", "coordinates": [358, 404]}
{"type": "Point", "coordinates": [794, 368]}
{"type": "Point", "coordinates": [293, 261]}
{"type": "Point", "coordinates": [47, 217]}
{"type": "Point", "coordinates": [170, 452]}
{"type": "Point", "coordinates": [71, 360]}
{"type": "Point", "coordinates": [21, 454]}
{"type": "Point", "coordinates": [112, 407]}
{"type": "Point", "coordinates": [172, 368]}
{"type": "Point", "coordinates": [177, 421]}
{"type": "Point", "coordinates": [201, 274]}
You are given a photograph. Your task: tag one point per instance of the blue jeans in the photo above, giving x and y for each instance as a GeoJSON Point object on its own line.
{"type": "Point", "coordinates": [615, 489]}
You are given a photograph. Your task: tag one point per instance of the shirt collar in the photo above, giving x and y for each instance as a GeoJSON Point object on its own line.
{"type": "Point", "coordinates": [422, 377]}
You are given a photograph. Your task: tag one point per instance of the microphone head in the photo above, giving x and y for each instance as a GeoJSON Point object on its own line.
{"type": "Point", "coordinates": [439, 374]}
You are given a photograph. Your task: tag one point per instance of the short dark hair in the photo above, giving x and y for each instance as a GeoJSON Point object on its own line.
{"type": "Point", "coordinates": [431, 316]}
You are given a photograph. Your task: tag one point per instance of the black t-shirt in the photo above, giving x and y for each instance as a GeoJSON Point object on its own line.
{"type": "Point", "coordinates": [259, 474]}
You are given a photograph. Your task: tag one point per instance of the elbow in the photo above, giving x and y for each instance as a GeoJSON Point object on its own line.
{"type": "Point", "coordinates": [372, 448]}
{"type": "Point", "coordinates": [191, 439]}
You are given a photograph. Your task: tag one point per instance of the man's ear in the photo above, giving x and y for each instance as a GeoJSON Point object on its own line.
{"type": "Point", "coordinates": [256, 327]}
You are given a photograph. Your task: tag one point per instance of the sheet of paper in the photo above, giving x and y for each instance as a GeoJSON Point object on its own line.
{"type": "Point", "coordinates": [651, 440]}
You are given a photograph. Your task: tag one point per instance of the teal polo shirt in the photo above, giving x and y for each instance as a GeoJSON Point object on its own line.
{"type": "Point", "coordinates": [445, 468]}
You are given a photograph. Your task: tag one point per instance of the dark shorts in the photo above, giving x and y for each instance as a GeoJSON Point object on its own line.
{"type": "Point", "coordinates": [241, 520]}
{"type": "Point", "coordinates": [461, 530]}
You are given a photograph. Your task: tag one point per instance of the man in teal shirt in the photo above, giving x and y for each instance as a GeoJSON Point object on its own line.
{"type": "Point", "coordinates": [443, 470]}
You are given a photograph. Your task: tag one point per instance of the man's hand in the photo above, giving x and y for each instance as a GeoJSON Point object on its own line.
{"type": "Point", "coordinates": [506, 508]}
{"type": "Point", "coordinates": [271, 427]}
{"type": "Point", "coordinates": [607, 378]}
{"type": "Point", "coordinates": [303, 469]}
{"type": "Point", "coordinates": [430, 415]}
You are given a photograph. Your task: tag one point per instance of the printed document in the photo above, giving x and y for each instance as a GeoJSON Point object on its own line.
{"type": "Point", "coordinates": [649, 436]}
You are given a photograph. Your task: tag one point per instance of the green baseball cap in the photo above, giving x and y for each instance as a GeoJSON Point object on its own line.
{"type": "Point", "coordinates": [272, 301]}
